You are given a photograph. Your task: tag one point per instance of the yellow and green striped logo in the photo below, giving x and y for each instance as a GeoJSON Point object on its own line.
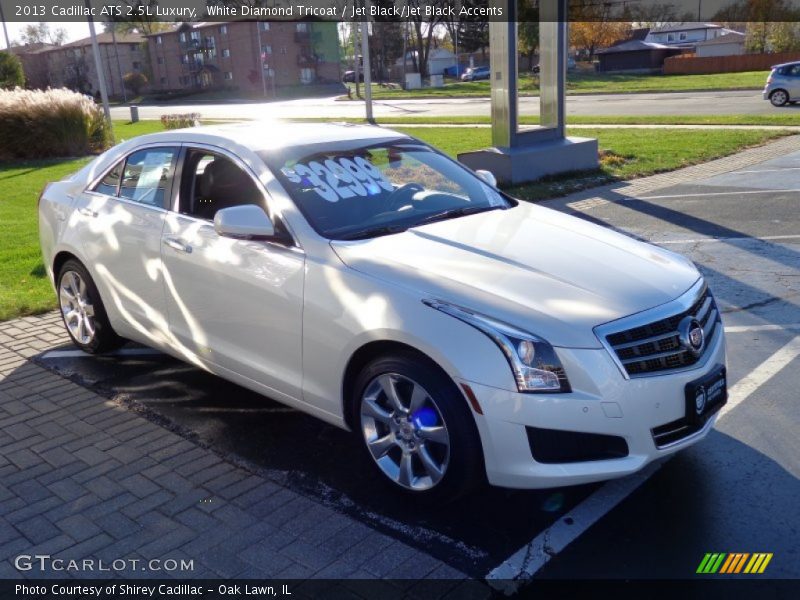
{"type": "Point", "coordinates": [734, 562]}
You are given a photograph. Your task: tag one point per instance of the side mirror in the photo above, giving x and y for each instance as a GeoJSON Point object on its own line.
{"type": "Point", "coordinates": [487, 176]}
{"type": "Point", "coordinates": [248, 222]}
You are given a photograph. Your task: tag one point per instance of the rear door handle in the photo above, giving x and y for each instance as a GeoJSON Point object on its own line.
{"type": "Point", "coordinates": [87, 212]}
{"type": "Point", "coordinates": [178, 245]}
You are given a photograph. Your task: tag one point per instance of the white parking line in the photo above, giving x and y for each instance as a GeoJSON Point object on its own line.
{"type": "Point", "coordinates": [711, 240]}
{"type": "Point", "coordinates": [735, 193]}
{"type": "Point", "coordinates": [81, 353]}
{"type": "Point", "coordinates": [747, 385]}
{"type": "Point", "coordinates": [526, 562]}
{"type": "Point", "coordinates": [747, 328]}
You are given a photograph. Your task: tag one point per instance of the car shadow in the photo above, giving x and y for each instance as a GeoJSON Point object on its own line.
{"type": "Point", "coordinates": [317, 460]}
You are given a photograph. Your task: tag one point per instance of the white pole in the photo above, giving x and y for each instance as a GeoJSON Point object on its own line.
{"type": "Point", "coordinates": [367, 69]}
{"type": "Point", "coordinates": [98, 65]}
{"type": "Point", "coordinates": [261, 59]}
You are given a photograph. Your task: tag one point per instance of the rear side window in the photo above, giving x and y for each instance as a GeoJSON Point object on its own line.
{"type": "Point", "coordinates": [109, 185]}
{"type": "Point", "coordinates": [147, 176]}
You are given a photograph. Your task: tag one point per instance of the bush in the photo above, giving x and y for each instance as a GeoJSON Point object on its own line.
{"type": "Point", "coordinates": [42, 124]}
{"type": "Point", "coordinates": [134, 81]}
{"type": "Point", "coordinates": [11, 73]}
{"type": "Point", "coordinates": [180, 121]}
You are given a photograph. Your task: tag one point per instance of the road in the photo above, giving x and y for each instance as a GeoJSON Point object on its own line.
{"type": "Point", "coordinates": [734, 492]}
{"type": "Point", "coordinates": [680, 103]}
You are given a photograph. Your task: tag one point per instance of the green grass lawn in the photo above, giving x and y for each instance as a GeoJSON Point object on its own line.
{"type": "Point", "coordinates": [791, 118]}
{"type": "Point", "coordinates": [592, 83]}
{"type": "Point", "coordinates": [627, 153]}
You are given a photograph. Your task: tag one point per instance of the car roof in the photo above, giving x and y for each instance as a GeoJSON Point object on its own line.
{"type": "Point", "coordinates": [786, 64]}
{"type": "Point", "coordinates": [272, 135]}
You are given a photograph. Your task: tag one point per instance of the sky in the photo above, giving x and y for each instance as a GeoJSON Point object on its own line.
{"type": "Point", "coordinates": [75, 31]}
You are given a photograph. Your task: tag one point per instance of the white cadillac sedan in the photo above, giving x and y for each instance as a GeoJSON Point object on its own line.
{"type": "Point", "coordinates": [361, 276]}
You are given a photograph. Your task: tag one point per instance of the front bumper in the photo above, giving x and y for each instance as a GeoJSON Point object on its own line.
{"type": "Point", "coordinates": [603, 402]}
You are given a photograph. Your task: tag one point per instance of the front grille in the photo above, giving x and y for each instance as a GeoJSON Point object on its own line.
{"type": "Point", "coordinates": [656, 346]}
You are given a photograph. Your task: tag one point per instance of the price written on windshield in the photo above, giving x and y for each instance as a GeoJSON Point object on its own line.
{"type": "Point", "coordinates": [339, 178]}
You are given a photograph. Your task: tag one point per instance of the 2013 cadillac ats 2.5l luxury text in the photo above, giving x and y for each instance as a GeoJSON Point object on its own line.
{"type": "Point", "coordinates": [362, 276]}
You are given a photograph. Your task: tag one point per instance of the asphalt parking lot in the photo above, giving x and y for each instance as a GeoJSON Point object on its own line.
{"type": "Point", "coordinates": [735, 492]}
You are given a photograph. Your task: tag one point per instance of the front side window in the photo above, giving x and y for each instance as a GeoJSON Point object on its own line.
{"type": "Point", "coordinates": [211, 182]}
{"type": "Point", "coordinates": [147, 176]}
{"type": "Point", "coordinates": [353, 190]}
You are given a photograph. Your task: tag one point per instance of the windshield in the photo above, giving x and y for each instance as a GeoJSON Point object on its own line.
{"type": "Point", "coordinates": [352, 190]}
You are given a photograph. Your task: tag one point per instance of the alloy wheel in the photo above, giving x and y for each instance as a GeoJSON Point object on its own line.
{"type": "Point", "coordinates": [404, 431]}
{"type": "Point", "coordinates": [77, 308]}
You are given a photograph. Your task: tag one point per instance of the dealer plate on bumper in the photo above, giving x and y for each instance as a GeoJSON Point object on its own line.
{"type": "Point", "coordinates": [705, 396]}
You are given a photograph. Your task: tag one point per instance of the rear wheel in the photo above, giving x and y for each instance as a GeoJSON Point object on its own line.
{"type": "Point", "coordinates": [83, 312]}
{"type": "Point", "coordinates": [417, 428]}
{"type": "Point", "coordinates": [779, 98]}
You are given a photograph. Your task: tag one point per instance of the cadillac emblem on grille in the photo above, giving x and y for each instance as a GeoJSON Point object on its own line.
{"type": "Point", "coordinates": [691, 335]}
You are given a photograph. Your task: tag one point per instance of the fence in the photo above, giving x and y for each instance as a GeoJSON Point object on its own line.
{"type": "Point", "coordinates": [692, 65]}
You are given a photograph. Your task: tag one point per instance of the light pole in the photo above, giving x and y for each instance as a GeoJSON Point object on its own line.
{"type": "Point", "coordinates": [367, 69]}
{"type": "Point", "coordinates": [261, 58]}
{"type": "Point", "coordinates": [98, 65]}
{"type": "Point", "coordinates": [5, 29]}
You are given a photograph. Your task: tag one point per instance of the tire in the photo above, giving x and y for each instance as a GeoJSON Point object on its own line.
{"type": "Point", "coordinates": [82, 310]}
{"type": "Point", "coordinates": [432, 452]}
{"type": "Point", "coordinates": [779, 97]}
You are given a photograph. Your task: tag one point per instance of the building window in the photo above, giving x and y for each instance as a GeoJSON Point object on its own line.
{"type": "Point", "coordinates": [670, 37]}
{"type": "Point", "coordinates": [159, 39]}
{"type": "Point", "coordinates": [228, 75]}
{"type": "Point", "coordinates": [183, 36]}
{"type": "Point", "coordinates": [163, 81]}
{"type": "Point", "coordinates": [210, 43]}
{"type": "Point", "coordinates": [264, 25]}
{"type": "Point", "coordinates": [137, 65]}
{"type": "Point", "coordinates": [134, 47]}
{"type": "Point", "coordinates": [283, 50]}
{"type": "Point", "coordinates": [160, 60]}
{"type": "Point", "coordinates": [306, 75]}
{"type": "Point", "coordinates": [302, 27]}
{"type": "Point", "coordinates": [266, 49]}
{"type": "Point", "coordinates": [226, 53]}
{"type": "Point", "coordinates": [223, 30]}
{"type": "Point", "coordinates": [195, 35]}
{"type": "Point", "coordinates": [682, 36]}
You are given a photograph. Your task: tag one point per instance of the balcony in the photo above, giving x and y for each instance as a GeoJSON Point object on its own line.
{"type": "Point", "coordinates": [306, 60]}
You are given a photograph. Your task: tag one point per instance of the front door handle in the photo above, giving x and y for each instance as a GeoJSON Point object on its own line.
{"type": "Point", "coordinates": [87, 212]}
{"type": "Point", "coordinates": [178, 245]}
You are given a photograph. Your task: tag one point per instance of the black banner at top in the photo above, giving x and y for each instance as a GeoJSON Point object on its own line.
{"type": "Point", "coordinates": [647, 12]}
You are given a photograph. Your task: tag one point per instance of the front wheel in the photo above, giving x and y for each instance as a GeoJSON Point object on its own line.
{"type": "Point", "coordinates": [417, 429]}
{"type": "Point", "coordinates": [779, 98]}
{"type": "Point", "coordinates": [83, 312]}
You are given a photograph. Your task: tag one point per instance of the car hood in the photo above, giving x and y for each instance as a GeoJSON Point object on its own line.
{"type": "Point", "coordinates": [551, 274]}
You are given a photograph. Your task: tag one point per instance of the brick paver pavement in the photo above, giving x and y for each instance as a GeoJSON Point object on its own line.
{"type": "Point", "coordinates": [83, 477]}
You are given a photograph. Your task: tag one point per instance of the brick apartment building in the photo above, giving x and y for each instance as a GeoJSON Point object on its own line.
{"type": "Point", "coordinates": [73, 66]}
{"type": "Point", "coordinates": [252, 57]}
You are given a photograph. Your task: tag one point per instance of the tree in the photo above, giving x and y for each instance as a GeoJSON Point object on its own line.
{"type": "Point", "coordinates": [134, 81]}
{"type": "Point", "coordinates": [141, 24]}
{"type": "Point", "coordinates": [528, 30]}
{"type": "Point", "coordinates": [11, 73]}
{"type": "Point", "coordinates": [590, 36]}
{"type": "Point", "coordinates": [42, 34]}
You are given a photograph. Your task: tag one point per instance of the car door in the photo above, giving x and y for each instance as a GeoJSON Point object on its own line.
{"type": "Point", "coordinates": [120, 218]}
{"type": "Point", "coordinates": [233, 304]}
{"type": "Point", "coordinates": [793, 81]}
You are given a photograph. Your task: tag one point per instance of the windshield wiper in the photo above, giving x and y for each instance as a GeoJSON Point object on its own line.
{"type": "Point", "coordinates": [455, 212]}
{"type": "Point", "coordinates": [372, 232]}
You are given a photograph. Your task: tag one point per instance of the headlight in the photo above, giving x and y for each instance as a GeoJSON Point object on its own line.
{"type": "Point", "coordinates": [533, 361]}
